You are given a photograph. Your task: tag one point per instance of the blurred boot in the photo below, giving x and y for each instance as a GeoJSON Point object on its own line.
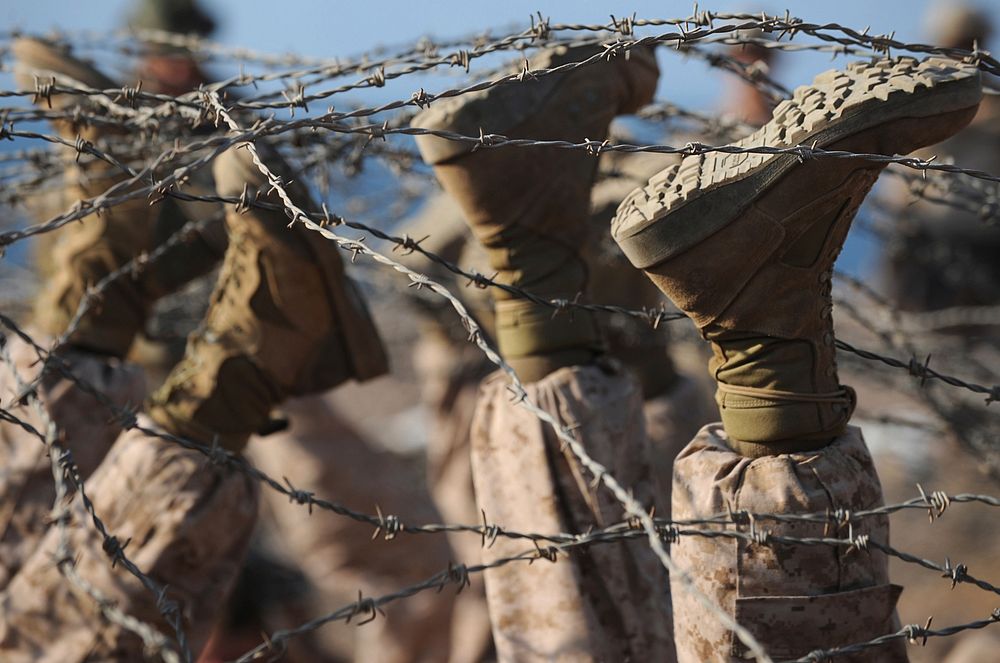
{"type": "Point", "coordinates": [89, 250]}
{"type": "Point", "coordinates": [284, 321]}
{"type": "Point", "coordinates": [86, 252]}
{"type": "Point", "coordinates": [745, 245]}
{"type": "Point", "coordinates": [529, 206]}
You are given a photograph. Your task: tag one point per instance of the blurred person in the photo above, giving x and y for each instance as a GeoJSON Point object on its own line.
{"type": "Point", "coordinates": [97, 348]}
{"type": "Point", "coordinates": [742, 243]}
{"type": "Point", "coordinates": [171, 69]}
{"type": "Point", "coordinates": [940, 256]}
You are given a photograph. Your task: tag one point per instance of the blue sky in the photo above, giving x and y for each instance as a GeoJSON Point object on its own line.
{"type": "Point", "coordinates": [324, 28]}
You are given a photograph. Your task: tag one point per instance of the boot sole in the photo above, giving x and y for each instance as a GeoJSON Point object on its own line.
{"type": "Point", "coordinates": [501, 108]}
{"type": "Point", "coordinates": [674, 211]}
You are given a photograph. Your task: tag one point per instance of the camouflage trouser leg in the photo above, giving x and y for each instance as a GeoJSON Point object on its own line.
{"type": "Point", "coordinates": [794, 599]}
{"type": "Point", "coordinates": [607, 602]}
{"type": "Point", "coordinates": [27, 490]}
{"type": "Point", "coordinates": [188, 523]}
{"type": "Point", "coordinates": [322, 454]}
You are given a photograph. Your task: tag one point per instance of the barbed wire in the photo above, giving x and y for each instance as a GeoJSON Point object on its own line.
{"type": "Point", "coordinates": [65, 473]}
{"type": "Point", "coordinates": [151, 112]}
{"type": "Point", "coordinates": [934, 503]}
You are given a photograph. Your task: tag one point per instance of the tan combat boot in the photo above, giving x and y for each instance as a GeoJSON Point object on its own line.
{"type": "Point", "coordinates": [529, 206]}
{"type": "Point", "coordinates": [745, 243]}
{"type": "Point", "coordinates": [284, 320]}
{"type": "Point", "coordinates": [78, 256]}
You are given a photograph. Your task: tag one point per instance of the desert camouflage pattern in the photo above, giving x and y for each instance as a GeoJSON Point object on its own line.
{"type": "Point", "coordinates": [603, 603]}
{"type": "Point", "coordinates": [793, 599]}
{"type": "Point", "coordinates": [27, 489]}
{"type": "Point", "coordinates": [449, 376]}
{"type": "Point", "coordinates": [337, 555]}
{"type": "Point", "coordinates": [188, 523]}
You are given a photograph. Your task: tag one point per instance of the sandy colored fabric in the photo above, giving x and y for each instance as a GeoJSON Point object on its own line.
{"type": "Point", "coordinates": [603, 603]}
{"type": "Point", "coordinates": [794, 599]}
{"type": "Point", "coordinates": [188, 523]}
{"type": "Point", "coordinates": [449, 376]}
{"type": "Point", "coordinates": [322, 454]}
{"type": "Point", "coordinates": [337, 555]}
{"type": "Point", "coordinates": [284, 319]}
{"type": "Point", "coordinates": [27, 490]}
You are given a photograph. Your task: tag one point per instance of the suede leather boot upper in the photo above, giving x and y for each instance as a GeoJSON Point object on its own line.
{"type": "Point", "coordinates": [529, 206]}
{"type": "Point", "coordinates": [745, 243]}
{"type": "Point", "coordinates": [80, 255]}
{"type": "Point", "coordinates": [284, 319]}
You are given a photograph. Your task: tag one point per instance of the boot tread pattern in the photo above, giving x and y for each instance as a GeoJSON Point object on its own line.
{"type": "Point", "coordinates": [811, 108]}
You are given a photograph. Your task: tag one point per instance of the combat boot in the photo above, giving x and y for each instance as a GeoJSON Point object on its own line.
{"type": "Point", "coordinates": [529, 206]}
{"type": "Point", "coordinates": [79, 256]}
{"type": "Point", "coordinates": [745, 243]}
{"type": "Point", "coordinates": [284, 320]}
